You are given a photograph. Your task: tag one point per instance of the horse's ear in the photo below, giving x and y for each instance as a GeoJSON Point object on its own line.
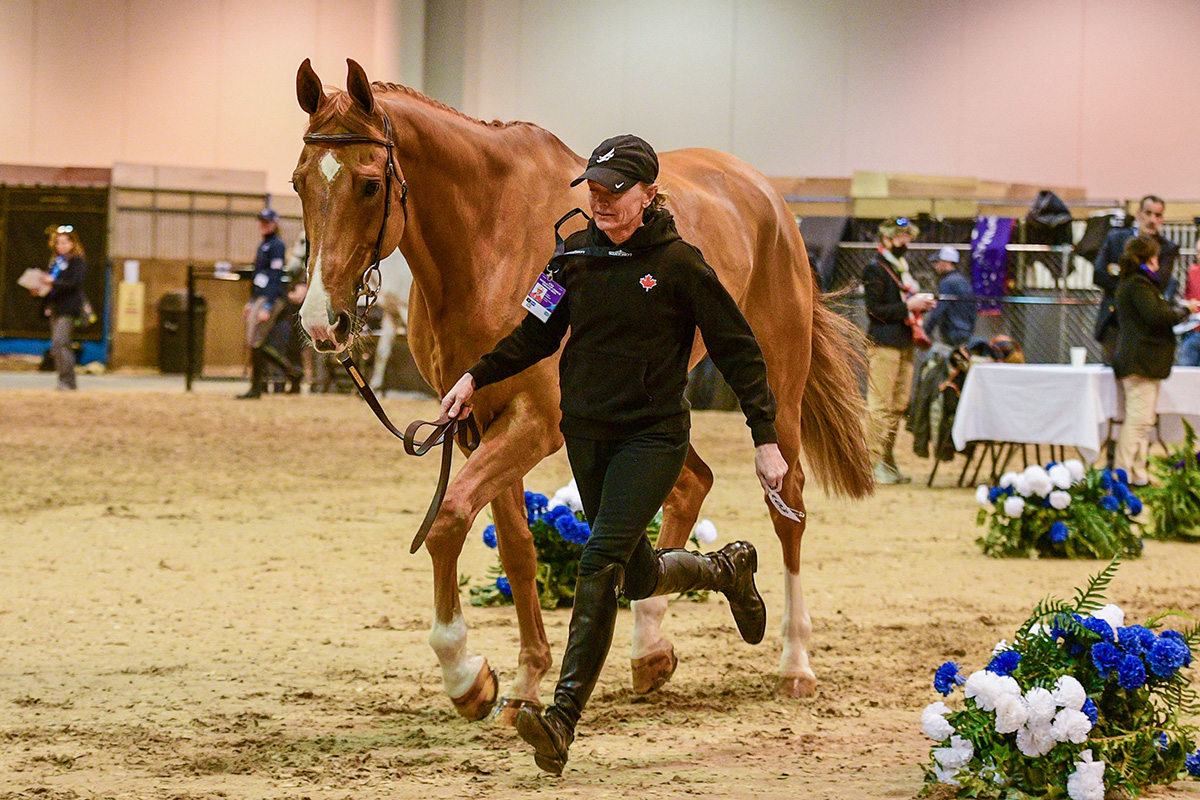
{"type": "Point", "coordinates": [308, 88]}
{"type": "Point", "coordinates": [359, 87]}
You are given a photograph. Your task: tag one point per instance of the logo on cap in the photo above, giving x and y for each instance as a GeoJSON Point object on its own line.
{"type": "Point", "coordinates": [648, 282]}
{"type": "Point", "coordinates": [606, 156]}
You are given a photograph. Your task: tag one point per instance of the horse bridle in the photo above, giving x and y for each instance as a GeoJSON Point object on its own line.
{"type": "Point", "coordinates": [364, 288]}
{"type": "Point", "coordinates": [446, 430]}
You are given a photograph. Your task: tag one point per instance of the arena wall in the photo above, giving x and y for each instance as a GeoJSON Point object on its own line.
{"type": "Point", "coordinates": [1097, 94]}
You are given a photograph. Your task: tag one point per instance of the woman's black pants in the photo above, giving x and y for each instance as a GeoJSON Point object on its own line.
{"type": "Point", "coordinates": [622, 484]}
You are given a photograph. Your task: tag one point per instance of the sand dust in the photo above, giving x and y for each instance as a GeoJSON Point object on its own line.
{"type": "Point", "coordinates": [204, 598]}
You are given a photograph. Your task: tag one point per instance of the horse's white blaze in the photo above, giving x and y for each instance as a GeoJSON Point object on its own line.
{"type": "Point", "coordinates": [647, 623]}
{"type": "Point", "coordinates": [330, 166]}
{"type": "Point", "coordinates": [797, 628]}
{"type": "Point", "coordinates": [449, 643]}
{"type": "Point", "coordinates": [314, 312]}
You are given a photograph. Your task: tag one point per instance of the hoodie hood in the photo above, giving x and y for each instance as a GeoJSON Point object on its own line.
{"type": "Point", "coordinates": [657, 228]}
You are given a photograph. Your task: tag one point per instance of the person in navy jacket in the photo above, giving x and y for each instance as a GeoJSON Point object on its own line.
{"type": "Point", "coordinates": [953, 319]}
{"type": "Point", "coordinates": [268, 299]}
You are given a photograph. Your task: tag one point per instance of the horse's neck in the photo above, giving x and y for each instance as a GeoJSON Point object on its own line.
{"type": "Point", "coordinates": [469, 185]}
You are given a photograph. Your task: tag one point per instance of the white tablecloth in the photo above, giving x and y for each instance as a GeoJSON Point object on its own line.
{"type": "Point", "coordinates": [1062, 405]}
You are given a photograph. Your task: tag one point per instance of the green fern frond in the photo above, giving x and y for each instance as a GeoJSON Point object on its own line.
{"type": "Point", "coordinates": [1092, 597]}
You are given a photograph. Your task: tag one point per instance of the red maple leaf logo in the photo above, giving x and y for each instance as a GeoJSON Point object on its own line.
{"type": "Point", "coordinates": [648, 282]}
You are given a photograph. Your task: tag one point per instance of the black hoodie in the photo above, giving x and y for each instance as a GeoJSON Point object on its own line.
{"type": "Point", "coordinates": [633, 320]}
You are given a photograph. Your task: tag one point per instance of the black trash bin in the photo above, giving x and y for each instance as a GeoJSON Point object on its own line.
{"type": "Point", "coordinates": [173, 333]}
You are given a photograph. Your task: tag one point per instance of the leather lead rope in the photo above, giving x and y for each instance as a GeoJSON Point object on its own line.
{"type": "Point", "coordinates": [445, 430]}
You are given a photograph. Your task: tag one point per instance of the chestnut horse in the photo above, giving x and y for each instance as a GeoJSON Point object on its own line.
{"type": "Point", "coordinates": [472, 206]}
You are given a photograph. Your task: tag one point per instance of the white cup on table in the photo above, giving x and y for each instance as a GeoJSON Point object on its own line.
{"type": "Point", "coordinates": [1078, 356]}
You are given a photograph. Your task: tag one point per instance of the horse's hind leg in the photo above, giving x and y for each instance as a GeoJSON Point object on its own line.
{"type": "Point", "coordinates": [519, 559]}
{"type": "Point", "coordinates": [653, 658]}
{"type": "Point", "coordinates": [796, 678]}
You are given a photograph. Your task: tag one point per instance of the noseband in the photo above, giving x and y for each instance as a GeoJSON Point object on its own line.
{"type": "Point", "coordinates": [364, 287]}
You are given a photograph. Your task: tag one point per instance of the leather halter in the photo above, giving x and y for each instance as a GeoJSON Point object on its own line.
{"type": "Point", "coordinates": [364, 286]}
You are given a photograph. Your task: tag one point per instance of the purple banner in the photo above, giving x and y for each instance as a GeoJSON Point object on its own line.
{"type": "Point", "coordinates": [989, 260]}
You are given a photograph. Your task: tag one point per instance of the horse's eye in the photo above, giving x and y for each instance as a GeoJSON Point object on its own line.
{"type": "Point", "coordinates": [371, 189]}
{"type": "Point", "coordinates": [295, 188]}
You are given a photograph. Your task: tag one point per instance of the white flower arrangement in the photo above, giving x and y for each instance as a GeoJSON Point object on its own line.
{"type": "Point", "coordinates": [1078, 704]}
{"type": "Point", "coordinates": [1061, 510]}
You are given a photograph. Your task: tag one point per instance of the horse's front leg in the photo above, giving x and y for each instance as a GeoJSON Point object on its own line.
{"type": "Point", "coordinates": [652, 656]}
{"type": "Point", "coordinates": [519, 559]}
{"type": "Point", "coordinates": [510, 448]}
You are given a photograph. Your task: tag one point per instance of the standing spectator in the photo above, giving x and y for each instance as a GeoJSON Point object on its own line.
{"type": "Point", "coordinates": [1148, 222]}
{"type": "Point", "coordinates": [953, 320]}
{"type": "Point", "coordinates": [64, 301]}
{"type": "Point", "coordinates": [267, 301]}
{"type": "Point", "coordinates": [285, 341]}
{"type": "Point", "coordinates": [1189, 345]}
{"type": "Point", "coordinates": [892, 301]}
{"type": "Point", "coordinates": [1145, 349]}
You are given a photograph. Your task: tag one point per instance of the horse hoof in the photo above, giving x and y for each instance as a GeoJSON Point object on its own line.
{"type": "Point", "coordinates": [506, 710]}
{"type": "Point", "coordinates": [652, 671]}
{"type": "Point", "coordinates": [795, 686]}
{"type": "Point", "coordinates": [477, 702]}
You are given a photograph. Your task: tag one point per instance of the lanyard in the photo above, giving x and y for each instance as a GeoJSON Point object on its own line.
{"type": "Point", "coordinates": [561, 252]}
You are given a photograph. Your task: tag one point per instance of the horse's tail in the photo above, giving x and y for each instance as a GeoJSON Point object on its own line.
{"type": "Point", "coordinates": [833, 411]}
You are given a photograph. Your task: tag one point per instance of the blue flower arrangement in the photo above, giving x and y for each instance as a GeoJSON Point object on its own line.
{"type": "Point", "coordinates": [1060, 511]}
{"type": "Point", "coordinates": [1080, 705]}
{"type": "Point", "coordinates": [1174, 500]}
{"type": "Point", "coordinates": [559, 535]}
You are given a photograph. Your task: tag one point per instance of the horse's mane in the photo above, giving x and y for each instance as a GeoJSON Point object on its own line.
{"type": "Point", "coordinates": [340, 107]}
{"type": "Point", "coordinates": [429, 101]}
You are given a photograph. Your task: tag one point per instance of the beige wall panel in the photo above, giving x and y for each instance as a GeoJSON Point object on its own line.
{"type": "Point", "coordinates": [132, 234]}
{"type": "Point", "coordinates": [493, 58]}
{"type": "Point", "coordinates": [174, 82]}
{"type": "Point", "coordinates": [16, 89]}
{"type": "Point", "coordinates": [1025, 91]}
{"type": "Point", "coordinates": [172, 238]}
{"type": "Point", "coordinates": [798, 91]}
{"type": "Point", "coordinates": [1141, 86]}
{"type": "Point", "coordinates": [897, 84]}
{"type": "Point", "coordinates": [210, 238]}
{"type": "Point", "coordinates": [344, 29]}
{"type": "Point", "coordinates": [571, 57]}
{"type": "Point", "coordinates": [224, 334]}
{"type": "Point", "coordinates": [677, 74]}
{"type": "Point", "coordinates": [262, 46]}
{"type": "Point", "coordinates": [79, 107]}
{"type": "Point", "coordinates": [1018, 111]}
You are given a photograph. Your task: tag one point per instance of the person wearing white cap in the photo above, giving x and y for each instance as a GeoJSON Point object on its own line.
{"type": "Point", "coordinates": [953, 320]}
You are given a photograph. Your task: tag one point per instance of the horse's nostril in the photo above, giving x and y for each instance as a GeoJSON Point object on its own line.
{"type": "Point", "coordinates": [324, 346]}
{"type": "Point", "coordinates": [342, 329]}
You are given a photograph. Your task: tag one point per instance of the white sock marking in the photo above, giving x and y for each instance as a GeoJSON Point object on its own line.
{"type": "Point", "coordinates": [449, 642]}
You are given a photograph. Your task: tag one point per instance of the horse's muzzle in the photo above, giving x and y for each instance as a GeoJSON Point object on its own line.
{"type": "Point", "coordinates": [332, 338]}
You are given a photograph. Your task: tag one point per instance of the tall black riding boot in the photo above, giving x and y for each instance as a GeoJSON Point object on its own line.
{"type": "Point", "coordinates": [592, 619]}
{"type": "Point", "coordinates": [258, 379]}
{"type": "Point", "coordinates": [730, 571]}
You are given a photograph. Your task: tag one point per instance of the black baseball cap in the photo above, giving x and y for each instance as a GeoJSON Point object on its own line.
{"type": "Point", "coordinates": [268, 215]}
{"type": "Point", "coordinates": [620, 162]}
